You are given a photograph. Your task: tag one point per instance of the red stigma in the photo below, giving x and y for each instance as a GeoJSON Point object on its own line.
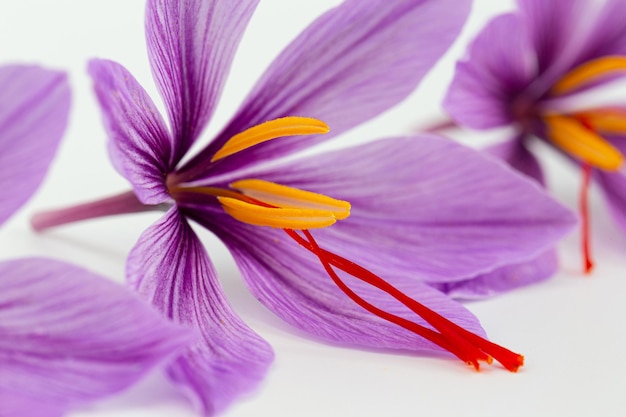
{"type": "Point", "coordinates": [584, 214]}
{"type": "Point", "coordinates": [467, 346]}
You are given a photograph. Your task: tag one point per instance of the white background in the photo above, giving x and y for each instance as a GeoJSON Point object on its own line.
{"type": "Point", "coordinates": [570, 328]}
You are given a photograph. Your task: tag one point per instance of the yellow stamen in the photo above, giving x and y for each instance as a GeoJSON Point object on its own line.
{"type": "Point", "coordinates": [588, 73]}
{"type": "Point", "coordinates": [288, 197]}
{"type": "Point", "coordinates": [574, 138]}
{"type": "Point", "coordinates": [285, 218]}
{"type": "Point", "coordinates": [265, 203]}
{"type": "Point", "coordinates": [286, 126]}
{"type": "Point", "coordinates": [604, 120]}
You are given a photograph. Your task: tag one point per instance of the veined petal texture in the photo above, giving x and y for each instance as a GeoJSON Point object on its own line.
{"type": "Point", "coordinates": [338, 70]}
{"type": "Point", "coordinates": [68, 337]}
{"type": "Point", "coordinates": [503, 279]}
{"type": "Point", "coordinates": [139, 143]}
{"type": "Point", "coordinates": [170, 268]}
{"type": "Point", "coordinates": [34, 107]}
{"type": "Point", "coordinates": [191, 45]}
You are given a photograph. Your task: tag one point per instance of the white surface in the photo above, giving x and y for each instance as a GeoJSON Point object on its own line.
{"type": "Point", "coordinates": [571, 328]}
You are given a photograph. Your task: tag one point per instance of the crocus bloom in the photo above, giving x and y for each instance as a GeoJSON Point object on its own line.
{"type": "Point", "coordinates": [534, 70]}
{"type": "Point", "coordinates": [67, 336]}
{"type": "Point", "coordinates": [415, 209]}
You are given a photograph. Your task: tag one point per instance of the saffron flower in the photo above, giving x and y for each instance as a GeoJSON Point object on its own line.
{"type": "Point", "coordinates": [67, 336]}
{"type": "Point", "coordinates": [416, 210]}
{"type": "Point", "coordinates": [534, 70]}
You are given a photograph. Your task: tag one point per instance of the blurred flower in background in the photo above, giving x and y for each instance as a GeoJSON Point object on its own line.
{"type": "Point", "coordinates": [541, 70]}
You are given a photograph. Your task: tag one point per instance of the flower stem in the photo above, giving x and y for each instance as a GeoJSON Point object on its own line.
{"type": "Point", "coordinates": [124, 203]}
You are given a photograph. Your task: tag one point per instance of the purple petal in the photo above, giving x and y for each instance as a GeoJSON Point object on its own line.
{"type": "Point", "coordinates": [338, 70]}
{"type": "Point", "coordinates": [70, 336]}
{"type": "Point", "coordinates": [191, 44]}
{"type": "Point", "coordinates": [170, 267]}
{"type": "Point", "coordinates": [567, 33]}
{"type": "Point", "coordinates": [608, 33]}
{"type": "Point", "coordinates": [555, 28]}
{"type": "Point", "coordinates": [293, 284]}
{"type": "Point", "coordinates": [504, 279]}
{"type": "Point", "coordinates": [515, 153]}
{"type": "Point", "coordinates": [500, 64]}
{"type": "Point", "coordinates": [34, 107]}
{"type": "Point", "coordinates": [16, 404]}
{"type": "Point", "coordinates": [139, 143]}
{"type": "Point", "coordinates": [429, 208]}
{"type": "Point", "coordinates": [614, 185]}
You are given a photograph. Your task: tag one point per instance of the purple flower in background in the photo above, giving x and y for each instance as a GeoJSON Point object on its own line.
{"type": "Point", "coordinates": [420, 210]}
{"type": "Point", "coordinates": [67, 336]}
{"type": "Point", "coordinates": [534, 70]}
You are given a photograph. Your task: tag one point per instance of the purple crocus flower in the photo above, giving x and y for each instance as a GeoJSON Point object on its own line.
{"type": "Point", "coordinates": [534, 70]}
{"type": "Point", "coordinates": [67, 336]}
{"type": "Point", "coordinates": [421, 209]}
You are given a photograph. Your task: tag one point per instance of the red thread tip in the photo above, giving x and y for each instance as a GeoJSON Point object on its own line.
{"type": "Point", "coordinates": [585, 217]}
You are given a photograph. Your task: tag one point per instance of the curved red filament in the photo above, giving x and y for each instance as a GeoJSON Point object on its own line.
{"type": "Point", "coordinates": [466, 345]}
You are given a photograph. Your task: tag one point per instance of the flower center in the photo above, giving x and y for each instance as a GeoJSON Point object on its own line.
{"type": "Point", "coordinates": [264, 203]}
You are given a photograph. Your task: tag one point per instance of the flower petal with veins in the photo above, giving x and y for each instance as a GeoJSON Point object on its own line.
{"type": "Point", "coordinates": [170, 267]}
{"type": "Point", "coordinates": [69, 336]}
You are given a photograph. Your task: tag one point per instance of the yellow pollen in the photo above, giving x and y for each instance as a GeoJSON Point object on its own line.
{"type": "Point", "coordinates": [604, 120]}
{"type": "Point", "coordinates": [264, 203]}
{"type": "Point", "coordinates": [574, 138]}
{"type": "Point", "coordinates": [288, 197]}
{"type": "Point", "coordinates": [285, 218]}
{"type": "Point", "coordinates": [588, 73]}
{"type": "Point", "coordinates": [277, 128]}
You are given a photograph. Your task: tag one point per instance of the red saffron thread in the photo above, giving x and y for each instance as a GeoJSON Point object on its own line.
{"type": "Point", "coordinates": [584, 214]}
{"type": "Point", "coordinates": [466, 345]}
